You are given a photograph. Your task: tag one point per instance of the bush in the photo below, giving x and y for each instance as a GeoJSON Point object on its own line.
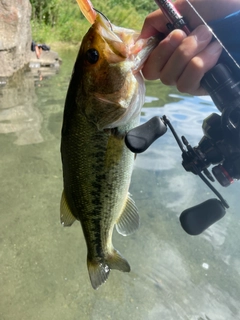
{"type": "Point", "coordinates": [61, 20]}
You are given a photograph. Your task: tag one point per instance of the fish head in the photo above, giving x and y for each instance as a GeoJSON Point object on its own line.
{"type": "Point", "coordinates": [111, 89]}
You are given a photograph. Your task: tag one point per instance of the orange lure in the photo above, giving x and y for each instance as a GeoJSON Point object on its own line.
{"type": "Point", "coordinates": [87, 10]}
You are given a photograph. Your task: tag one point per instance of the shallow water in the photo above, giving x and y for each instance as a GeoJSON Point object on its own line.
{"type": "Point", "coordinates": [43, 265]}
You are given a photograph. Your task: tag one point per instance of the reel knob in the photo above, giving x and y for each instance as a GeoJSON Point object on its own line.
{"type": "Point", "coordinates": [198, 218]}
{"type": "Point", "coordinates": [141, 137]}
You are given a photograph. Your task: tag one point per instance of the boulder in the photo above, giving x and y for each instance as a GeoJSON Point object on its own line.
{"type": "Point", "coordinates": [15, 35]}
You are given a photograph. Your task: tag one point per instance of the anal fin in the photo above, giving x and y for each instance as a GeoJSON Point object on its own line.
{"type": "Point", "coordinates": [66, 216]}
{"type": "Point", "coordinates": [129, 219]}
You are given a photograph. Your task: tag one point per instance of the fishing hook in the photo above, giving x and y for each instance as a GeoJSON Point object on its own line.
{"type": "Point", "coordinates": [104, 17]}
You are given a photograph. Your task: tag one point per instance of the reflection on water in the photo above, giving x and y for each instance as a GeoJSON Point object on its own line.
{"type": "Point", "coordinates": [18, 113]}
{"type": "Point", "coordinates": [44, 273]}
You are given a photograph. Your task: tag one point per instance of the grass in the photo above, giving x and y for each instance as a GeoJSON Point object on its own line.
{"type": "Point", "coordinates": [65, 23]}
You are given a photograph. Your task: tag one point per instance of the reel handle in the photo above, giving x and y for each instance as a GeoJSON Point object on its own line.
{"type": "Point", "coordinates": [196, 219]}
{"type": "Point", "coordinates": [141, 137]}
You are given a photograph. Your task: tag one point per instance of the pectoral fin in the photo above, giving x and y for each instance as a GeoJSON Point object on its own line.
{"type": "Point", "coordinates": [129, 220]}
{"type": "Point", "coordinates": [66, 216]}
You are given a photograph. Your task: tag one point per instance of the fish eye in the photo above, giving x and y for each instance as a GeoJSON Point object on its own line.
{"type": "Point", "coordinates": [92, 56]}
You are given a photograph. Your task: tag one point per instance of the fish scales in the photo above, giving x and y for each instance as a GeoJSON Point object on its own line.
{"type": "Point", "coordinates": [100, 161]}
{"type": "Point", "coordinates": [103, 102]}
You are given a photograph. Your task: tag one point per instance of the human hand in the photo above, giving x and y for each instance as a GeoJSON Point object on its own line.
{"type": "Point", "coordinates": [179, 59]}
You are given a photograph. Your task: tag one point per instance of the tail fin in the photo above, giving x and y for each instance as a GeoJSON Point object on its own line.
{"type": "Point", "coordinates": [99, 270]}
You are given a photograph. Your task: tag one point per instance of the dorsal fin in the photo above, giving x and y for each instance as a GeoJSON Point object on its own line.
{"type": "Point", "coordinates": [66, 216]}
{"type": "Point", "coordinates": [129, 219]}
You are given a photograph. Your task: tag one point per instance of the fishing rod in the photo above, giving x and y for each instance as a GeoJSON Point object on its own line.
{"type": "Point", "coordinates": [220, 144]}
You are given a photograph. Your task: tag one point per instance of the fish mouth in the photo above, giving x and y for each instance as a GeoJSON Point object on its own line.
{"type": "Point", "coordinates": [113, 37]}
{"type": "Point", "coordinates": [126, 49]}
{"type": "Point", "coordinates": [124, 43]}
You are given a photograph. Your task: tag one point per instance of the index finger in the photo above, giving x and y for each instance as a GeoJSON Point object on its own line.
{"type": "Point", "coordinates": [154, 24]}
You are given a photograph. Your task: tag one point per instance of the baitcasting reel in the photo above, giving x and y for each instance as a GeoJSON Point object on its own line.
{"type": "Point", "coordinates": [220, 146]}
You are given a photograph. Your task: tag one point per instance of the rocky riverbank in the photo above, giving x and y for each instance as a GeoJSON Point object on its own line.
{"type": "Point", "coordinates": [16, 39]}
{"type": "Point", "coordinates": [15, 35]}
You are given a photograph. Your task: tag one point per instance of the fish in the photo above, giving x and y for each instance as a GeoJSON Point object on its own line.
{"type": "Point", "coordinates": [103, 102]}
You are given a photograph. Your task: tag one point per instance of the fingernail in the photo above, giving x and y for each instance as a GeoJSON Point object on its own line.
{"type": "Point", "coordinates": [214, 47]}
{"type": "Point", "coordinates": [175, 37]}
{"type": "Point", "coordinates": [202, 33]}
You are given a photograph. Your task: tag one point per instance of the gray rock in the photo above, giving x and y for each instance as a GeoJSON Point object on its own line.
{"type": "Point", "coordinates": [15, 35]}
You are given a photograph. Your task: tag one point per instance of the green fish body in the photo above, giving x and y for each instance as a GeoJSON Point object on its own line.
{"type": "Point", "coordinates": [104, 100]}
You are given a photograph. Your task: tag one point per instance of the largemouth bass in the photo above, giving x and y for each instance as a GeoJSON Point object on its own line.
{"type": "Point", "coordinates": [103, 102]}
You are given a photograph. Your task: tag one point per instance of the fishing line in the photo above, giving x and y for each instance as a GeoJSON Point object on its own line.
{"type": "Point", "coordinates": [215, 36]}
{"type": "Point", "coordinates": [104, 17]}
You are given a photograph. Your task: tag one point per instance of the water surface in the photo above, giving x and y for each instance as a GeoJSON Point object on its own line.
{"type": "Point", "coordinates": [43, 265]}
